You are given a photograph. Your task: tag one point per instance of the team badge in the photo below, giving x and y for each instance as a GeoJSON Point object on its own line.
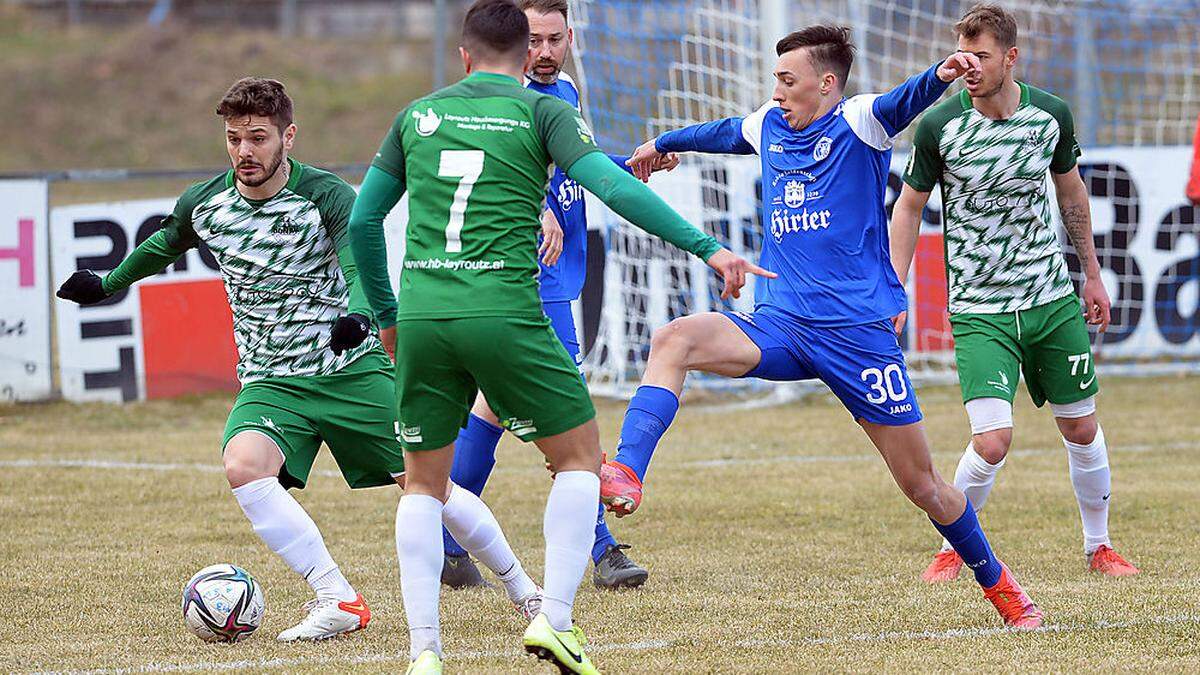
{"type": "Point", "coordinates": [585, 134]}
{"type": "Point", "coordinates": [823, 147]}
{"type": "Point", "coordinates": [428, 123]}
{"type": "Point", "coordinates": [793, 193]}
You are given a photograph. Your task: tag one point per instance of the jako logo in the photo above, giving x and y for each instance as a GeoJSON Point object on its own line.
{"type": "Point", "coordinates": [784, 221]}
{"type": "Point", "coordinates": [823, 147]}
{"type": "Point", "coordinates": [428, 123]}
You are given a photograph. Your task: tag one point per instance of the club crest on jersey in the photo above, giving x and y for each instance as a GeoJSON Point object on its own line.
{"type": "Point", "coordinates": [793, 193]}
{"type": "Point", "coordinates": [585, 134]}
{"type": "Point", "coordinates": [285, 225]}
{"type": "Point", "coordinates": [427, 123]}
{"type": "Point", "coordinates": [823, 147]}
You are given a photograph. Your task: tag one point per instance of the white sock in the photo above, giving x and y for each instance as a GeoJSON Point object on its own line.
{"type": "Point", "coordinates": [975, 477]}
{"type": "Point", "coordinates": [280, 521]}
{"type": "Point", "coordinates": [1092, 481]}
{"type": "Point", "coordinates": [474, 527]}
{"type": "Point", "coordinates": [570, 530]}
{"type": "Point", "coordinates": [419, 548]}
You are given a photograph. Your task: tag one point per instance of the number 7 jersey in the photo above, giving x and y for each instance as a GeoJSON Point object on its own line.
{"type": "Point", "coordinates": [475, 158]}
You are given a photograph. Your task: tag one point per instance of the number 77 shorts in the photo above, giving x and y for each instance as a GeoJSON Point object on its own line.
{"type": "Point", "coordinates": [1048, 343]}
{"type": "Point", "coordinates": [862, 364]}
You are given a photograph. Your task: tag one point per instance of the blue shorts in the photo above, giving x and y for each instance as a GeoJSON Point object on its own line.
{"type": "Point", "coordinates": [862, 364]}
{"type": "Point", "coordinates": [563, 323]}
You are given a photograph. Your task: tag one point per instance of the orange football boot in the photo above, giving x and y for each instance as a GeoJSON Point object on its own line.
{"type": "Point", "coordinates": [620, 488]}
{"type": "Point", "coordinates": [945, 567]}
{"type": "Point", "coordinates": [1015, 607]}
{"type": "Point", "coordinates": [1107, 561]}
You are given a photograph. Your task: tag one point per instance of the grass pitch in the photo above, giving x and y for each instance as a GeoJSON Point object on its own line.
{"type": "Point", "coordinates": [775, 538]}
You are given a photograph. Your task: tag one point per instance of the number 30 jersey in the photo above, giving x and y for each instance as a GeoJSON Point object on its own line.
{"type": "Point", "coordinates": [476, 159]}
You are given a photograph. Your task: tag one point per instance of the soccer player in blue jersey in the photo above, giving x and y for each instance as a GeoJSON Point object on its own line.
{"type": "Point", "coordinates": [563, 270]}
{"type": "Point", "coordinates": [828, 313]}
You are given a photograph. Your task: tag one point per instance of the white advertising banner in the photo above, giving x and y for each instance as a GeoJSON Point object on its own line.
{"type": "Point", "coordinates": [24, 292]}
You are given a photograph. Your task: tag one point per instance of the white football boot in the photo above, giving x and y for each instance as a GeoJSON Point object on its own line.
{"type": "Point", "coordinates": [329, 618]}
{"type": "Point", "coordinates": [530, 605]}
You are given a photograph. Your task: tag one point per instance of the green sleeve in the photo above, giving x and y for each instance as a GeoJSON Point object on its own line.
{"type": "Point", "coordinates": [390, 157]}
{"type": "Point", "coordinates": [924, 168]}
{"type": "Point", "coordinates": [379, 193]}
{"type": "Point", "coordinates": [335, 204]}
{"type": "Point", "coordinates": [638, 204]}
{"type": "Point", "coordinates": [161, 249]}
{"type": "Point", "coordinates": [1066, 151]}
{"type": "Point", "coordinates": [563, 132]}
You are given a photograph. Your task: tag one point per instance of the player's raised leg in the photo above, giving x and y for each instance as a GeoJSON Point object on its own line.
{"type": "Point", "coordinates": [709, 342]}
{"type": "Point", "coordinates": [253, 461]}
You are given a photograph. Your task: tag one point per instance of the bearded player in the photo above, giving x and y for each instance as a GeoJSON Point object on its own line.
{"type": "Point", "coordinates": [563, 268]}
{"type": "Point", "coordinates": [1012, 306]}
{"type": "Point", "coordinates": [310, 368]}
{"type": "Point", "coordinates": [828, 315]}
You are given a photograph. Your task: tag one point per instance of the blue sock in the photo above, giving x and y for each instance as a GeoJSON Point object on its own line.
{"type": "Point", "coordinates": [604, 538]}
{"type": "Point", "coordinates": [967, 538]}
{"type": "Point", "coordinates": [474, 457]}
{"type": "Point", "coordinates": [651, 411]}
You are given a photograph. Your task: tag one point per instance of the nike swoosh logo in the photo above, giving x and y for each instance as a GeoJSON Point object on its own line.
{"type": "Point", "coordinates": [1105, 497]}
{"type": "Point", "coordinates": [356, 607]}
{"type": "Point", "coordinates": [971, 150]}
{"type": "Point", "coordinates": [1085, 385]}
{"type": "Point", "coordinates": [578, 658]}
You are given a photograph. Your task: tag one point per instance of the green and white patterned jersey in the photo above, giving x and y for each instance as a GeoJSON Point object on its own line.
{"type": "Point", "coordinates": [279, 260]}
{"type": "Point", "coordinates": [1002, 250]}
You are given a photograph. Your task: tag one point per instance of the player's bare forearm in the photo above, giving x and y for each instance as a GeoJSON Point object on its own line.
{"type": "Point", "coordinates": [905, 229]}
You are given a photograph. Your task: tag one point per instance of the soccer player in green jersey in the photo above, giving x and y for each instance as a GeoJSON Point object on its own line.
{"type": "Point", "coordinates": [1012, 305]}
{"type": "Point", "coordinates": [310, 368]}
{"type": "Point", "coordinates": [474, 158]}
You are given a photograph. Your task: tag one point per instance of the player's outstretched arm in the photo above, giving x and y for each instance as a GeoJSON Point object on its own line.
{"type": "Point", "coordinates": [1077, 220]}
{"type": "Point", "coordinates": [896, 109]}
{"type": "Point", "coordinates": [904, 230]}
{"type": "Point", "coordinates": [379, 193]}
{"type": "Point", "coordinates": [718, 137]}
{"type": "Point", "coordinates": [152, 256]}
{"type": "Point", "coordinates": [639, 205]}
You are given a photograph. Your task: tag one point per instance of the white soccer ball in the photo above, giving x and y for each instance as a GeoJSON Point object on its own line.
{"type": "Point", "coordinates": [222, 603]}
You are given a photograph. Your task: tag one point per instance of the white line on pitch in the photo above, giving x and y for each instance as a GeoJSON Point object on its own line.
{"type": "Point", "coordinates": [686, 464]}
{"type": "Point", "coordinates": [953, 633]}
{"type": "Point", "coordinates": [259, 664]}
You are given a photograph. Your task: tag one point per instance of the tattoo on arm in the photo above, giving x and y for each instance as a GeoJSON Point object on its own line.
{"type": "Point", "coordinates": [1078, 223]}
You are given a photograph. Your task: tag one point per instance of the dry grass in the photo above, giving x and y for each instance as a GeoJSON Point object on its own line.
{"type": "Point", "coordinates": [775, 539]}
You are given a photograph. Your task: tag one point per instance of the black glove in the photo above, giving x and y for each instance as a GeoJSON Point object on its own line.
{"type": "Point", "coordinates": [83, 287]}
{"type": "Point", "coordinates": [348, 332]}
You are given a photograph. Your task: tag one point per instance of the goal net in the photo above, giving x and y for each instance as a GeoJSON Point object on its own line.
{"type": "Point", "coordinates": [1130, 70]}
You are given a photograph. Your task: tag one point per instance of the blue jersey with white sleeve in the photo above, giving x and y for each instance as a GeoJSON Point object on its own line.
{"type": "Point", "coordinates": [564, 280]}
{"type": "Point", "coordinates": [823, 200]}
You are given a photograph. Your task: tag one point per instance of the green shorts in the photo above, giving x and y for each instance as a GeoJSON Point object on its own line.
{"type": "Point", "coordinates": [353, 411]}
{"type": "Point", "coordinates": [1048, 343]}
{"type": "Point", "coordinates": [529, 380]}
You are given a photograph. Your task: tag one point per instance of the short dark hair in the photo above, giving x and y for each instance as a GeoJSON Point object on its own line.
{"type": "Point", "coordinates": [546, 6]}
{"type": "Point", "coordinates": [257, 96]}
{"type": "Point", "coordinates": [829, 49]}
{"type": "Point", "coordinates": [496, 28]}
{"type": "Point", "coordinates": [987, 18]}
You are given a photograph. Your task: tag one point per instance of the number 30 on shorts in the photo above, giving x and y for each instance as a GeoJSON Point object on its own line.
{"type": "Point", "coordinates": [885, 384]}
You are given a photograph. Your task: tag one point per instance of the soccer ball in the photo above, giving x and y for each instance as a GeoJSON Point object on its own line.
{"type": "Point", "coordinates": [222, 603]}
